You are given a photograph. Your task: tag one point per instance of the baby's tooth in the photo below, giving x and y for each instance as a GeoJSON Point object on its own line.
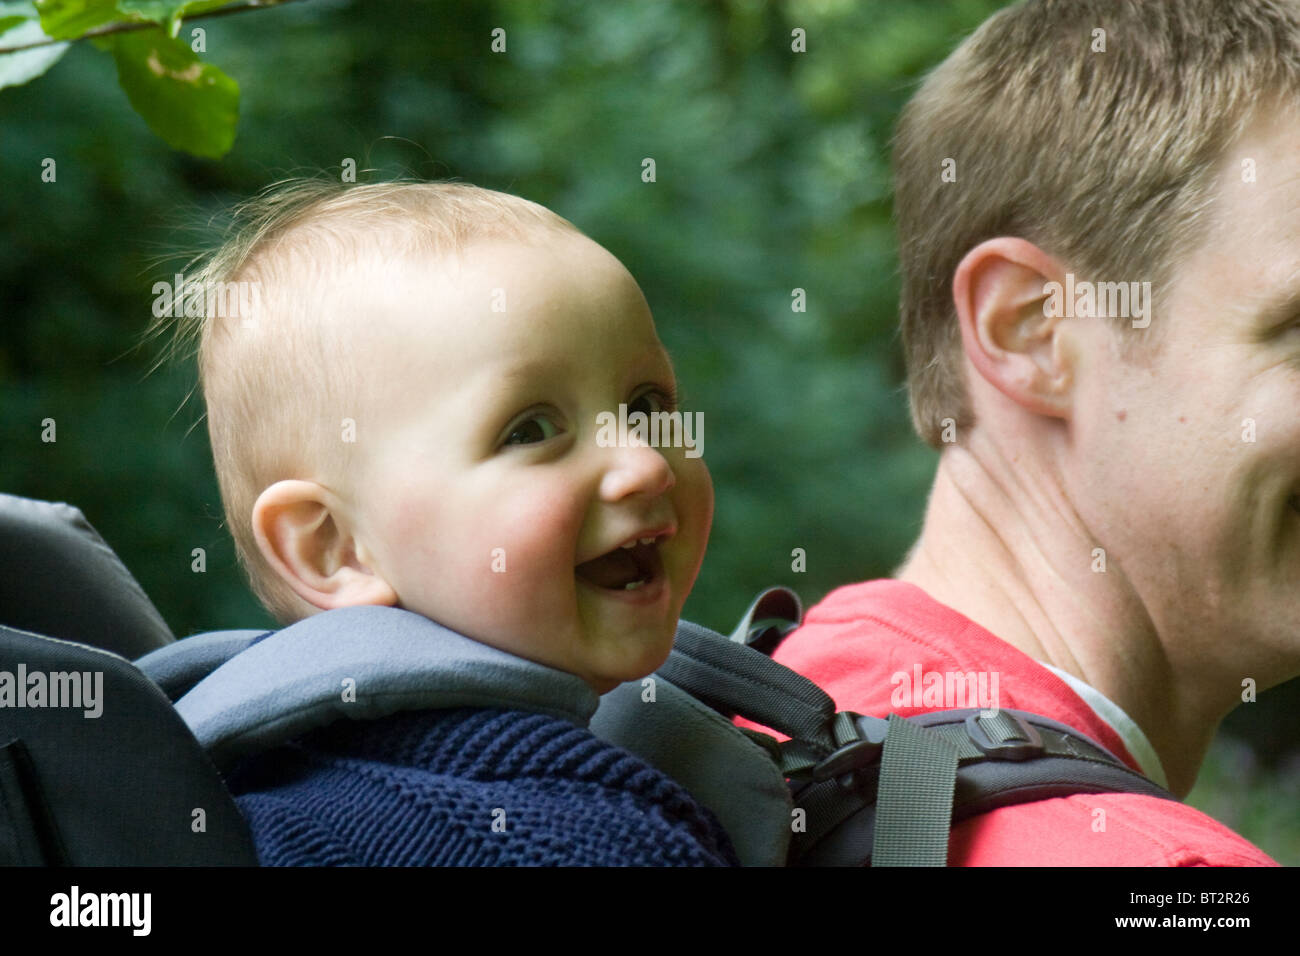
{"type": "Point", "coordinates": [633, 586]}
{"type": "Point", "coordinates": [628, 546]}
{"type": "Point", "coordinates": [649, 540]}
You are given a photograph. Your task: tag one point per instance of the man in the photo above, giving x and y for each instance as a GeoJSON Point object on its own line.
{"type": "Point", "coordinates": [1113, 534]}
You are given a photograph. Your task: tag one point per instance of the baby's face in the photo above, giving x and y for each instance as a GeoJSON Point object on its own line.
{"type": "Point", "coordinates": [484, 499]}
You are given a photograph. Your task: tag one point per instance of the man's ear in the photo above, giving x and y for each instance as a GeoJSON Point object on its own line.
{"type": "Point", "coordinates": [1007, 333]}
{"type": "Point", "coordinates": [301, 533]}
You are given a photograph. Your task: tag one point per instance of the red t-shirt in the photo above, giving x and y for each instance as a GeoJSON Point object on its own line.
{"type": "Point", "coordinates": [859, 641]}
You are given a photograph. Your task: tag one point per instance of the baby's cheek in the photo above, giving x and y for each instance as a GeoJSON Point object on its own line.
{"type": "Point", "coordinates": [520, 560]}
{"type": "Point", "coordinates": [399, 539]}
{"type": "Point", "coordinates": [536, 538]}
{"type": "Point", "coordinates": [694, 500]}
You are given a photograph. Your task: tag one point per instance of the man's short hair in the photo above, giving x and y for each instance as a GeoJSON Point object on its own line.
{"type": "Point", "coordinates": [1094, 129]}
{"type": "Point", "coordinates": [277, 369]}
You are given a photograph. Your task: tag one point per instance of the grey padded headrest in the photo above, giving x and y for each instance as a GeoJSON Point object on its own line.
{"type": "Point", "coordinates": [59, 578]}
{"type": "Point", "coordinates": [361, 663]}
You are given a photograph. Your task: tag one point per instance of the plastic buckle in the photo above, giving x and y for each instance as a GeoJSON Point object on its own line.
{"type": "Point", "coordinates": [1031, 746]}
{"type": "Point", "coordinates": [854, 756]}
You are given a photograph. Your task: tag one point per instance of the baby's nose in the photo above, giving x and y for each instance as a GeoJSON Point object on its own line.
{"type": "Point", "coordinates": [636, 469]}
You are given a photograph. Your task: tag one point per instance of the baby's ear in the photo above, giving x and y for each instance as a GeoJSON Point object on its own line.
{"type": "Point", "coordinates": [299, 532]}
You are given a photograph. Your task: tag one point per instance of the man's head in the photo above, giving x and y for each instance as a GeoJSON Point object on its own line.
{"type": "Point", "coordinates": [1171, 157]}
{"type": "Point", "coordinates": [1094, 129]}
{"type": "Point", "coordinates": [409, 417]}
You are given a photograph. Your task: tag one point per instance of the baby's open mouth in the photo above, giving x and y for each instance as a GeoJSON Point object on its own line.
{"type": "Point", "coordinates": [624, 569]}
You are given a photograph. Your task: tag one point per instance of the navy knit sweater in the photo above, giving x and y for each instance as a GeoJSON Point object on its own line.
{"type": "Point", "coordinates": [468, 787]}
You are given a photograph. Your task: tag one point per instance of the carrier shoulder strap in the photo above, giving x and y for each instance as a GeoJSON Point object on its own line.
{"type": "Point", "coordinates": [888, 790]}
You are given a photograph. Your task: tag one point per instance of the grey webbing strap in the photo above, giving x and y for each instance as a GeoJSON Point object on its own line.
{"type": "Point", "coordinates": [918, 773]}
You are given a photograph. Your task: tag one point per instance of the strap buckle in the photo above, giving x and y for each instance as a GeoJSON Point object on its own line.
{"type": "Point", "coordinates": [856, 754]}
{"type": "Point", "coordinates": [1017, 742]}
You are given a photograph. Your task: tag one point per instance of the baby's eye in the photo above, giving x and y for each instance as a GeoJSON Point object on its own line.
{"type": "Point", "coordinates": [532, 430]}
{"type": "Point", "coordinates": [651, 402]}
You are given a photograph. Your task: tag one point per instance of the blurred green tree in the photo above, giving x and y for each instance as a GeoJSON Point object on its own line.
{"type": "Point", "coordinates": [764, 247]}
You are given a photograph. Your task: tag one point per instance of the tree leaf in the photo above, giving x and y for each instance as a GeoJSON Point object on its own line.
{"type": "Point", "coordinates": [69, 19]}
{"type": "Point", "coordinates": [17, 68]}
{"type": "Point", "coordinates": [160, 11]}
{"type": "Point", "coordinates": [166, 12]}
{"type": "Point", "coordinates": [192, 105]}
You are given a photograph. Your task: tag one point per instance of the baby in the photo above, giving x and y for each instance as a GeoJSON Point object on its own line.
{"type": "Point", "coordinates": [405, 411]}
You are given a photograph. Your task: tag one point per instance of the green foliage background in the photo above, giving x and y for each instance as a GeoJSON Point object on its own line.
{"type": "Point", "coordinates": [772, 174]}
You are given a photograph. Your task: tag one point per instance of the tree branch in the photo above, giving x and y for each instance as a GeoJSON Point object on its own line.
{"type": "Point", "coordinates": [128, 27]}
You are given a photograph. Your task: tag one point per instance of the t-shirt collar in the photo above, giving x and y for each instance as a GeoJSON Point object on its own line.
{"type": "Point", "coordinates": [1123, 725]}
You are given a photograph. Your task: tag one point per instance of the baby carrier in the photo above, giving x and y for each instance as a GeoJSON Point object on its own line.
{"type": "Point", "coordinates": [114, 735]}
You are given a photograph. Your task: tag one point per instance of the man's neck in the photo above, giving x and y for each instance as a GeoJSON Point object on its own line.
{"type": "Point", "coordinates": [1009, 553]}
